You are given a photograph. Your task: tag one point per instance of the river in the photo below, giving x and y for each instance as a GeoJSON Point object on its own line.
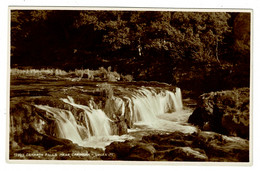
{"type": "Point", "coordinates": [66, 117]}
{"type": "Point", "coordinates": [140, 105]}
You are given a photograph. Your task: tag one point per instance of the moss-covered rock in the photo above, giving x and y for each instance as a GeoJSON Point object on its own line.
{"type": "Point", "coordinates": [225, 112]}
{"type": "Point", "coordinates": [177, 146]}
{"type": "Point", "coordinates": [222, 148]}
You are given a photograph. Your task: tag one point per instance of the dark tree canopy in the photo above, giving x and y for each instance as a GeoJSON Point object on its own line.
{"type": "Point", "coordinates": [190, 49]}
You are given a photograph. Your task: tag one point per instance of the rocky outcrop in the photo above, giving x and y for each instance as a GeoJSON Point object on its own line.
{"type": "Point", "coordinates": [131, 150]}
{"type": "Point", "coordinates": [177, 146]}
{"type": "Point", "coordinates": [29, 127]}
{"type": "Point", "coordinates": [31, 137]}
{"type": "Point", "coordinates": [225, 112]}
{"type": "Point", "coordinates": [63, 151]}
{"type": "Point", "coordinates": [222, 148]}
{"type": "Point", "coordinates": [185, 154]}
{"type": "Point", "coordinates": [26, 127]}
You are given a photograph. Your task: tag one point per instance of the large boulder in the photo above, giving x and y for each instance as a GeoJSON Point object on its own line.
{"type": "Point", "coordinates": [120, 149]}
{"type": "Point", "coordinates": [32, 126]}
{"type": "Point", "coordinates": [115, 109]}
{"type": "Point", "coordinates": [142, 152]}
{"type": "Point", "coordinates": [185, 154]}
{"type": "Point", "coordinates": [221, 147]}
{"type": "Point", "coordinates": [177, 146]}
{"type": "Point", "coordinates": [119, 126]}
{"type": "Point", "coordinates": [225, 112]}
{"type": "Point", "coordinates": [131, 150]}
{"type": "Point", "coordinates": [26, 126]}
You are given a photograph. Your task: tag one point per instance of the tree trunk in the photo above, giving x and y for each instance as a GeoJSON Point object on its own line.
{"type": "Point", "coordinates": [217, 51]}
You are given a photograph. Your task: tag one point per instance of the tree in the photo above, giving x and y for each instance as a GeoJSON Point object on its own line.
{"type": "Point", "coordinates": [242, 36]}
{"type": "Point", "coordinates": [167, 46]}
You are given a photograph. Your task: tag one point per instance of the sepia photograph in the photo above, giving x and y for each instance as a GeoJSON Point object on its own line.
{"type": "Point", "coordinates": [130, 84]}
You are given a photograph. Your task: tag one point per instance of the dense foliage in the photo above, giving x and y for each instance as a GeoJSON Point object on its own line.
{"type": "Point", "coordinates": [195, 50]}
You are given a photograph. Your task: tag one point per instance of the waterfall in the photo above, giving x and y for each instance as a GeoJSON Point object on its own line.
{"type": "Point", "coordinates": [177, 99]}
{"type": "Point", "coordinates": [144, 106]}
{"type": "Point", "coordinates": [149, 107]}
{"type": "Point", "coordinates": [65, 125]}
{"type": "Point", "coordinates": [160, 110]}
{"type": "Point", "coordinates": [99, 122]}
{"type": "Point", "coordinates": [96, 123]}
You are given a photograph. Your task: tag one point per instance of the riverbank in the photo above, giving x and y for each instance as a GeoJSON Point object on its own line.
{"type": "Point", "coordinates": [87, 120]}
{"type": "Point", "coordinates": [101, 74]}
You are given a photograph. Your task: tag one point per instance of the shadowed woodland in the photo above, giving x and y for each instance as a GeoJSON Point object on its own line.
{"type": "Point", "coordinates": [198, 51]}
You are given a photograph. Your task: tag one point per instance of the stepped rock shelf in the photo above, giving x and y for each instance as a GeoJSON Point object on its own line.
{"type": "Point", "coordinates": [65, 120]}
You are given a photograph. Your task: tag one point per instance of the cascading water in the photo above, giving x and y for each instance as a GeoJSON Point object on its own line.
{"type": "Point", "coordinates": [96, 123]}
{"type": "Point", "coordinates": [149, 107]}
{"type": "Point", "coordinates": [98, 120]}
{"type": "Point", "coordinates": [160, 110]}
{"type": "Point", "coordinates": [156, 109]}
{"type": "Point", "coordinates": [65, 124]}
{"type": "Point", "coordinates": [177, 99]}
